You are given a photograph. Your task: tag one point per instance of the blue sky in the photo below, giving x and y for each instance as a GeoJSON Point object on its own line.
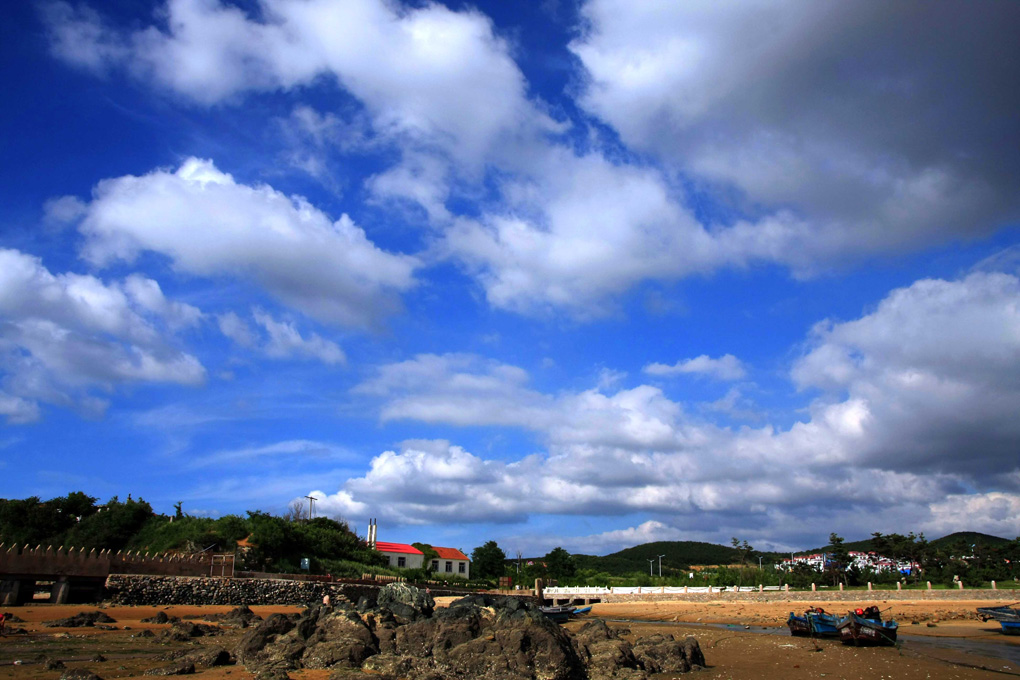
{"type": "Point", "coordinates": [583, 274]}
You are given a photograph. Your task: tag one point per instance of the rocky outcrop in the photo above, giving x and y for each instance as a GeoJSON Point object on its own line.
{"type": "Point", "coordinates": [482, 637]}
{"type": "Point", "coordinates": [80, 620]}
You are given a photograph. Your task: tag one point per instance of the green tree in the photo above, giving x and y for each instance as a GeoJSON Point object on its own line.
{"type": "Point", "coordinates": [429, 553]}
{"type": "Point", "coordinates": [840, 558]}
{"type": "Point", "coordinates": [559, 564]}
{"type": "Point", "coordinates": [488, 561]}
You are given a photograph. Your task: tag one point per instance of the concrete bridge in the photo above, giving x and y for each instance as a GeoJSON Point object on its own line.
{"type": "Point", "coordinates": [77, 575]}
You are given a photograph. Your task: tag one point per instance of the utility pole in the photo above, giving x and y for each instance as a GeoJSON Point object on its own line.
{"type": "Point", "coordinates": [660, 565]}
{"type": "Point", "coordinates": [311, 499]}
{"type": "Point", "coordinates": [650, 563]}
{"type": "Point", "coordinates": [759, 562]}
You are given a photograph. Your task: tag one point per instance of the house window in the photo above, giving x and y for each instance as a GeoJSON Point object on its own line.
{"type": "Point", "coordinates": [401, 561]}
{"type": "Point", "coordinates": [449, 567]}
{"type": "Point", "coordinates": [435, 565]}
{"type": "Point", "coordinates": [460, 567]}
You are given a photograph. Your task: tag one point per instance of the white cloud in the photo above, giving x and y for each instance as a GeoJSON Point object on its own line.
{"type": "Point", "coordinates": [284, 341]}
{"type": "Point", "coordinates": [427, 75]}
{"type": "Point", "coordinates": [929, 379]}
{"type": "Point", "coordinates": [828, 123]}
{"type": "Point", "coordinates": [65, 334]}
{"type": "Point", "coordinates": [726, 367]}
{"type": "Point", "coordinates": [209, 225]}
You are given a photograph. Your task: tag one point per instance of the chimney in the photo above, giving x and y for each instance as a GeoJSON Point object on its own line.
{"type": "Point", "coordinates": [372, 531]}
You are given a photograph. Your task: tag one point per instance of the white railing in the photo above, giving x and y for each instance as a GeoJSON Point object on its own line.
{"type": "Point", "coordinates": [650, 590]}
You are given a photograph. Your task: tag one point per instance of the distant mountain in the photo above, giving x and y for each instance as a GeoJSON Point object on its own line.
{"type": "Point", "coordinates": [966, 537]}
{"type": "Point", "coordinates": [682, 554]}
{"type": "Point", "coordinates": [675, 554]}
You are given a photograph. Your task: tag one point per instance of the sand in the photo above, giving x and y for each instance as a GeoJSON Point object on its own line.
{"type": "Point", "coordinates": [731, 650]}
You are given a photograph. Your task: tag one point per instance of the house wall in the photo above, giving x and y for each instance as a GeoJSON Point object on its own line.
{"type": "Point", "coordinates": [439, 567]}
{"type": "Point", "coordinates": [410, 561]}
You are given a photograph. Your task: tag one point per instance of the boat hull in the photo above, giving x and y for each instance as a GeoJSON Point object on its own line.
{"type": "Point", "coordinates": [857, 630]}
{"type": "Point", "coordinates": [1010, 627]}
{"type": "Point", "coordinates": [999, 613]}
{"type": "Point", "coordinates": [823, 625]}
{"type": "Point", "coordinates": [798, 625]}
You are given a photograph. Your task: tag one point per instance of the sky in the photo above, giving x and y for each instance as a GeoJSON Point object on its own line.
{"type": "Point", "coordinates": [583, 274]}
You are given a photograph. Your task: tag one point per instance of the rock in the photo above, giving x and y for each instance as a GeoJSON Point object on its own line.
{"type": "Point", "coordinates": [98, 658]}
{"type": "Point", "coordinates": [80, 620]}
{"type": "Point", "coordinates": [406, 601]}
{"type": "Point", "coordinates": [215, 656]}
{"type": "Point", "coordinates": [79, 674]}
{"type": "Point", "coordinates": [160, 617]}
{"type": "Point", "coordinates": [53, 664]}
{"type": "Point", "coordinates": [182, 667]}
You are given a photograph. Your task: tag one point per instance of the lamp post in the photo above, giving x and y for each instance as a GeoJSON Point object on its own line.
{"type": "Point", "coordinates": [660, 565]}
{"type": "Point", "coordinates": [759, 562]}
{"type": "Point", "coordinates": [650, 563]}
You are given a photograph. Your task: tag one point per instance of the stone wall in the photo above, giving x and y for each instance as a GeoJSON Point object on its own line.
{"type": "Point", "coordinates": [163, 590]}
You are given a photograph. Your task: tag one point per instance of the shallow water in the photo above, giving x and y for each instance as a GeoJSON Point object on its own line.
{"type": "Point", "coordinates": [998, 650]}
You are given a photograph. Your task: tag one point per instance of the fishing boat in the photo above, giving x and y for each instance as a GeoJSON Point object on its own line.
{"type": "Point", "coordinates": [866, 627]}
{"type": "Point", "coordinates": [1007, 613]}
{"type": "Point", "coordinates": [822, 623]}
{"type": "Point", "coordinates": [1010, 627]}
{"type": "Point", "coordinates": [815, 623]}
{"type": "Point", "coordinates": [799, 625]}
{"type": "Point", "coordinates": [558, 614]}
{"type": "Point", "coordinates": [582, 610]}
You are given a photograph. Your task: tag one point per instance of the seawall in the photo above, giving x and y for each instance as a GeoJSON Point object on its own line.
{"type": "Point", "coordinates": [810, 596]}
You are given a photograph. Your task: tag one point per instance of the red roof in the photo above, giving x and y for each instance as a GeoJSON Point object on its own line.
{"type": "Point", "coordinates": [449, 553]}
{"type": "Point", "coordinates": [383, 546]}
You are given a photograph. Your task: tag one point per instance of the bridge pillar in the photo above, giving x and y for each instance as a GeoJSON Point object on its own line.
{"type": "Point", "coordinates": [61, 589]}
{"type": "Point", "coordinates": [10, 590]}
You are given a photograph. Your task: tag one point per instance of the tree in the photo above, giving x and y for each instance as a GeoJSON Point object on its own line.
{"type": "Point", "coordinates": [559, 564]}
{"type": "Point", "coordinates": [745, 549]}
{"type": "Point", "coordinates": [488, 561]}
{"type": "Point", "coordinates": [840, 558]}
{"type": "Point", "coordinates": [429, 553]}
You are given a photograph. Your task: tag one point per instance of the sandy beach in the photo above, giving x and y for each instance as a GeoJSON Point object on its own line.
{"type": "Point", "coordinates": [726, 632]}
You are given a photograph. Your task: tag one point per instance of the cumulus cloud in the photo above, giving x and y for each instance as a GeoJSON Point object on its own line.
{"type": "Point", "coordinates": [915, 407]}
{"type": "Point", "coordinates": [427, 74]}
{"type": "Point", "coordinates": [62, 335]}
{"type": "Point", "coordinates": [279, 339]}
{"type": "Point", "coordinates": [830, 122]}
{"type": "Point", "coordinates": [927, 380]}
{"type": "Point", "coordinates": [726, 367]}
{"type": "Point", "coordinates": [209, 225]}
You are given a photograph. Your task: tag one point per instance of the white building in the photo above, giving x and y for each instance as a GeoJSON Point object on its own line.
{"type": "Point", "coordinates": [451, 562]}
{"type": "Point", "coordinates": [401, 555]}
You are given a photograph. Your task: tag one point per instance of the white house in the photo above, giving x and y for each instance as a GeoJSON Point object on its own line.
{"type": "Point", "coordinates": [451, 562]}
{"type": "Point", "coordinates": [401, 555]}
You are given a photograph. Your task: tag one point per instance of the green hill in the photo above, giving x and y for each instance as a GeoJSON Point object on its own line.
{"type": "Point", "coordinates": [676, 554]}
{"type": "Point", "coordinates": [959, 538]}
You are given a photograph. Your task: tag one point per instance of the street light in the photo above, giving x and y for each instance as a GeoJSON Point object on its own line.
{"type": "Point", "coordinates": [660, 565]}
{"type": "Point", "coordinates": [650, 563]}
{"type": "Point", "coordinates": [759, 562]}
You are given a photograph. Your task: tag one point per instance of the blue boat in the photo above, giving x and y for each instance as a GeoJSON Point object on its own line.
{"type": "Point", "coordinates": [798, 625]}
{"type": "Point", "coordinates": [822, 623]}
{"type": "Point", "coordinates": [1010, 627]}
{"type": "Point", "coordinates": [1007, 613]}
{"type": "Point", "coordinates": [866, 627]}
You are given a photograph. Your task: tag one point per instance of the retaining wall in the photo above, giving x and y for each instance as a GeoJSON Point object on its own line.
{"type": "Point", "coordinates": [61, 561]}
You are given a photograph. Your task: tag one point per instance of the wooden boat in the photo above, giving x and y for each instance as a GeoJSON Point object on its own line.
{"type": "Point", "coordinates": [1010, 627]}
{"type": "Point", "coordinates": [799, 625]}
{"type": "Point", "coordinates": [822, 623]}
{"type": "Point", "coordinates": [558, 614]}
{"type": "Point", "coordinates": [582, 610]}
{"type": "Point", "coordinates": [866, 627]}
{"type": "Point", "coordinates": [815, 623]}
{"type": "Point", "coordinates": [1007, 613]}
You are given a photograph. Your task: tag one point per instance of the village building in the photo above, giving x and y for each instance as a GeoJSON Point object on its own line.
{"type": "Point", "coordinates": [401, 555]}
{"type": "Point", "coordinates": [451, 562]}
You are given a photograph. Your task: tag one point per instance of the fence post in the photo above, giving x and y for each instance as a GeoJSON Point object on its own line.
{"type": "Point", "coordinates": [841, 587]}
{"type": "Point", "coordinates": [899, 585]}
{"type": "Point", "coordinates": [787, 586]}
{"type": "Point", "coordinates": [869, 586]}
{"type": "Point", "coordinates": [960, 583]}
{"type": "Point", "coordinates": [993, 586]}
{"type": "Point", "coordinates": [813, 588]}
{"type": "Point", "coordinates": [761, 588]}
{"type": "Point", "coordinates": [929, 585]}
